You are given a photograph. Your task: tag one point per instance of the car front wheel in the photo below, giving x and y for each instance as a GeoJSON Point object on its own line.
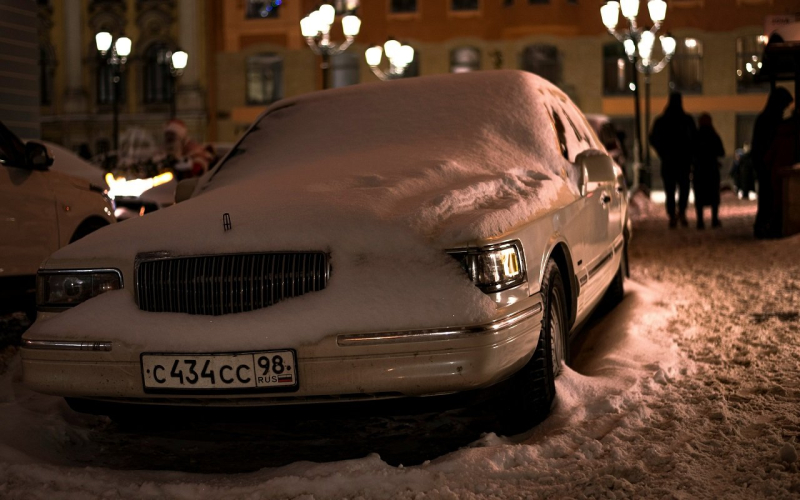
{"type": "Point", "coordinates": [531, 391]}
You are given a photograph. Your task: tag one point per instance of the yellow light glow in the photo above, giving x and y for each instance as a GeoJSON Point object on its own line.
{"type": "Point", "coordinates": [135, 187]}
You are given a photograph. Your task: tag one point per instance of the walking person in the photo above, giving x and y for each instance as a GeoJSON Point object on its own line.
{"type": "Point", "coordinates": [705, 176]}
{"type": "Point", "coordinates": [764, 131]}
{"type": "Point", "coordinates": [673, 139]}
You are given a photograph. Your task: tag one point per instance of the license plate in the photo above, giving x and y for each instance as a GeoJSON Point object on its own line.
{"type": "Point", "coordinates": [241, 371]}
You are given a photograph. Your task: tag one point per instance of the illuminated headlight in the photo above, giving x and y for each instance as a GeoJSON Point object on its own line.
{"type": "Point", "coordinates": [67, 288]}
{"type": "Point", "coordinates": [493, 268]}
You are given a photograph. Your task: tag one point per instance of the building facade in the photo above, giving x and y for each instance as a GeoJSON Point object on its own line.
{"type": "Point", "coordinates": [76, 84]}
{"type": "Point", "coordinates": [19, 68]}
{"type": "Point", "coordinates": [259, 55]}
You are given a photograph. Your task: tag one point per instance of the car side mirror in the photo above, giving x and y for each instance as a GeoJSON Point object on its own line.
{"type": "Point", "coordinates": [596, 167]}
{"type": "Point", "coordinates": [185, 188]}
{"type": "Point", "coordinates": [37, 156]}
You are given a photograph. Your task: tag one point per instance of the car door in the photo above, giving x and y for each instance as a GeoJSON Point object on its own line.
{"type": "Point", "coordinates": [593, 226]}
{"type": "Point", "coordinates": [28, 221]}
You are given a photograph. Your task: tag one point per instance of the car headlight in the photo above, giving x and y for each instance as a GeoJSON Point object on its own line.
{"type": "Point", "coordinates": [493, 268]}
{"type": "Point", "coordinates": [67, 288]}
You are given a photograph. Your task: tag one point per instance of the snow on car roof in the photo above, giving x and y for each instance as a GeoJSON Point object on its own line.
{"type": "Point", "coordinates": [429, 149]}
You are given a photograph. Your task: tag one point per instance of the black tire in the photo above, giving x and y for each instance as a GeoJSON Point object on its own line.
{"type": "Point", "coordinates": [531, 391]}
{"type": "Point", "coordinates": [616, 290]}
{"type": "Point", "coordinates": [87, 227]}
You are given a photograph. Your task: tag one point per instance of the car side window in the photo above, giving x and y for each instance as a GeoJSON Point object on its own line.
{"type": "Point", "coordinates": [583, 138]}
{"type": "Point", "coordinates": [560, 131]}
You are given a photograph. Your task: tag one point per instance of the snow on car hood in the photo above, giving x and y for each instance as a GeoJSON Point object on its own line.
{"type": "Point", "coordinates": [385, 177]}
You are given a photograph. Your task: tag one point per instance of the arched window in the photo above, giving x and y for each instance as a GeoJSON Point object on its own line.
{"type": "Point", "coordinates": [544, 61]}
{"type": "Point", "coordinates": [158, 81]}
{"type": "Point", "coordinates": [104, 76]}
{"type": "Point", "coordinates": [617, 70]}
{"type": "Point", "coordinates": [465, 59]}
{"type": "Point", "coordinates": [264, 78]}
{"type": "Point", "coordinates": [344, 70]}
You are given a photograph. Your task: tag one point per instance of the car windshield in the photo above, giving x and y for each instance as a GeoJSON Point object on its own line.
{"type": "Point", "coordinates": [466, 125]}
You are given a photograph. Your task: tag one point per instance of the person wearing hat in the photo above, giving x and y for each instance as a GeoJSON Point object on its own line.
{"type": "Point", "coordinates": [192, 159]}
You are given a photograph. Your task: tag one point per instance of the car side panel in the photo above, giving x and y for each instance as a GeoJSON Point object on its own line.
{"type": "Point", "coordinates": [28, 220]}
{"type": "Point", "coordinates": [75, 203]}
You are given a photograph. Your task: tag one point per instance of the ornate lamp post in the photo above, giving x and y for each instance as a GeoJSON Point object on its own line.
{"type": "Point", "coordinates": [398, 55]}
{"type": "Point", "coordinates": [177, 63]}
{"type": "Point", "coordinates": [115, 53]}
{"type": "Point", "coordinates": [316, 28]}
{"type": "Point", "coordinates": [639, 43]}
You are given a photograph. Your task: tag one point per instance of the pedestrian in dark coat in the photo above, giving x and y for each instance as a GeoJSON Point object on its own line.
{"type": "Point", "coordinates": [705, 176]}
{"type": "Point", "coordinates": [673, 139]}
{"type": "Point", "coordinates": [764, 132]}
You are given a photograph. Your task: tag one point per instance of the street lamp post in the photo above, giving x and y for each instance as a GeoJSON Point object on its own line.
{"type": "Point", "coordinates": [639, 44]}
{"type": "Point", "coordinates": [177, 63]}
{"type": "Point", "coordinates": [114, 53]}
{"type": "Point", "coordinates": [398, 55]}
{"type": "Point", "coordinates": [316, 29]}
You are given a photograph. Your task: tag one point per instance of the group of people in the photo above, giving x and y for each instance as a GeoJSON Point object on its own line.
{"type": "Point", "coordinates": [691, 155]}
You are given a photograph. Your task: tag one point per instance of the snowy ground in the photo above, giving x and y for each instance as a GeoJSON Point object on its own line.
{"type": "Point", "coordinates": [689, 389]}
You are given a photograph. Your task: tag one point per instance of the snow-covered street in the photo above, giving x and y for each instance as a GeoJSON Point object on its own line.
{"type": "Point", "coordinates": [689, 389]}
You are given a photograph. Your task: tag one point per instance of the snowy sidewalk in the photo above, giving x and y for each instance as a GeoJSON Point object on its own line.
{"type": "Point", "coordinates": [689, 389]}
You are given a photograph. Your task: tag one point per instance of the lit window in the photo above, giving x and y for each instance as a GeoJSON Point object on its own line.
{"type": "Point", "coordinates": [344, 7]}
{"type": "Point", "coordinates": [749, 54]}
{"type": "Point", "coordinates": [686, 66]}
{"type": "Point", "coordinates": [465, 59]}
{"type": "Point", "coordinates": [262, 9]}
{"type": "Point", "coordinates": [264, 78]}
{"type": "Point", "coordinates": [618, 71]}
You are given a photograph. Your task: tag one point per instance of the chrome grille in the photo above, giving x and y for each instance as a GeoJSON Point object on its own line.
{"type": "Point", "coordinates": [225, 284]}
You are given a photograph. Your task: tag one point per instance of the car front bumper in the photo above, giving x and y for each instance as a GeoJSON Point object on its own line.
{"type": "Point", "coordinates": [348, 368]}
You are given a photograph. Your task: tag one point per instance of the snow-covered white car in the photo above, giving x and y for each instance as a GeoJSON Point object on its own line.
{"type": "Point", "coordinates": [413, 238]}
{"type": "Point", "coordinates": [41, 210]}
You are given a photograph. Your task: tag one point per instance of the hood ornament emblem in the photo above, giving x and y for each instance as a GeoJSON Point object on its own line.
{"type": "Point", "coordinates": [226, 221]}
